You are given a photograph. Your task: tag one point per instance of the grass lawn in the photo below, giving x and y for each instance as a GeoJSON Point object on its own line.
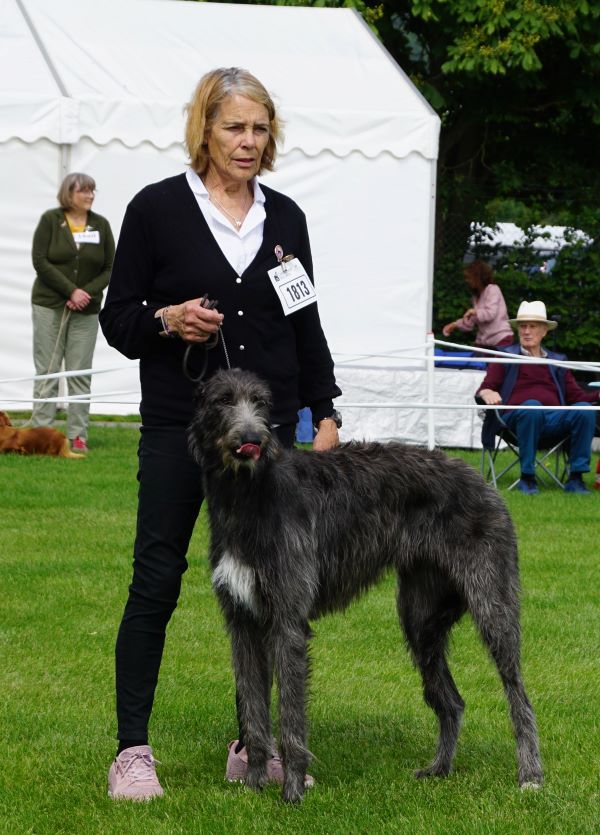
{"type": "Point", "coordinates": [65, 561]}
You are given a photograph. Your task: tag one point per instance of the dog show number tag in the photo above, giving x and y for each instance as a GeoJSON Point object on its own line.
{"type": "Point", "coordinates": [293, 287]}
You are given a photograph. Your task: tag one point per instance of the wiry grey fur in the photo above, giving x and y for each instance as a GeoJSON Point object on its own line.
{"type": "Point", "coordinates": [296, 534]}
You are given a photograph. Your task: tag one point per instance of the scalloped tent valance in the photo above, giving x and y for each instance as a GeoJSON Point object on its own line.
{"type": "Point", "coordinates": [124, 71]}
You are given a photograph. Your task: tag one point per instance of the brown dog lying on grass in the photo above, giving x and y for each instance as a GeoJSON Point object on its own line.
{"type": "Point", "coordinates": [38, 441]}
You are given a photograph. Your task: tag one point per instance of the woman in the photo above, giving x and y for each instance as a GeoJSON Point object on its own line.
{"type": "Point", "coordinates": [214, 233]}
{"type": "Point", "coordinates": [488, 313]}
{"type": "Point", "coordinates": [72, 253]}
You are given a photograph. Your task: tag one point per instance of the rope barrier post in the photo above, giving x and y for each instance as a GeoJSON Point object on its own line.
{"type": "Point", "coordinates": [430, 351]}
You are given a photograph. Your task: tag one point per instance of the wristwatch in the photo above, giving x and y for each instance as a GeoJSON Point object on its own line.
{"type": "Point", "coordinates": [335, 416]}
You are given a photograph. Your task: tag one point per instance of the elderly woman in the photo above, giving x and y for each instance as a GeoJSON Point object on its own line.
{"type": "Point", "coordinates": [488, 313]}
{"type": "Point", "coordinates": [72, 253]}
{"type": "Point", "coordinates": [211, 233]}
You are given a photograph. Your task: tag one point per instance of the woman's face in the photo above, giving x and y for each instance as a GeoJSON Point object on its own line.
{"type": "Point", "coordinates": [237, 140]}
{"type": "Point", "coordinates": [82, 199]}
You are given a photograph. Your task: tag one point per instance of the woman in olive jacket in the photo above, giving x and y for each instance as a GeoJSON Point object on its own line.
{"type": "Point", "coordinates": [72, 253]}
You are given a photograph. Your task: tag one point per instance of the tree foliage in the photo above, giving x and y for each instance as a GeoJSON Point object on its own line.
{"type": "Point", "coordinates": [517, 85]}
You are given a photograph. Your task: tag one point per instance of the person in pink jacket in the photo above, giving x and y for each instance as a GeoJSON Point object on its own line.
{"type": "Point", "coordinates": [488, 313]}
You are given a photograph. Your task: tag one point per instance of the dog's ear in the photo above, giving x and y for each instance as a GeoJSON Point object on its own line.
{"type": "Point", "coordinates": [4, 419]}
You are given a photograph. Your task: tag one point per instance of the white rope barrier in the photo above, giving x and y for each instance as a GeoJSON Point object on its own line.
{"type": "Point", "coordinates": [473, 407]}
{"type": "Point", "coordinates": [430, 362]}
{"type": "Point", "coordinates": [78, 398]}
{"type": "Point", "coordinates": [389, 355]}
{"type": "Point", "coordinates": [502, 357]}
{"type": "Point", "coordinates": [55, 375]}
{"type": "Point", "coordinates": [491, 356]}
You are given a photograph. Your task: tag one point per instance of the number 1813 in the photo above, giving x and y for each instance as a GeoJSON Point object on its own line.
{"type": "Point", "coordinates": [298, 291]}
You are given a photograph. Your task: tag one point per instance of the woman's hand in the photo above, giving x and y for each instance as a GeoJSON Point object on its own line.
{"type": "Point", "coordinates": [192, 322]}
{"type": "Point", "coordinates": [490, 397]}
{"type": "Point", "coordinates": [79, 299]}
{"type": "Point", "coordinates": [327, 436]}
{"type": "Point", "coordinates": [471, 313]}
{"type": "Point", "coordinates": [449, 328]}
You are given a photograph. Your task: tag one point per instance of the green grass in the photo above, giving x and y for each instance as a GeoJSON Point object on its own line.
{"type": "Point", "coordinates": [65, 561]}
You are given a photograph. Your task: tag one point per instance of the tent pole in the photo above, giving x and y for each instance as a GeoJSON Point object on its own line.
{"type": "Point", "coordinates": [431, 245]}
{"type": "Point", "coordinates": [430, 391]}
{"type": "Point", "coordinates": [42, 49]}
{"type": "Point", "coordinates": [65, 149]}
{"type": "Point", "coordinates": [65, 162]}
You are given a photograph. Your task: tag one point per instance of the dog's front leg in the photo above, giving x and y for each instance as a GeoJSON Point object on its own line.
{"type": "Point", "coordinates": [291, 664]}
{"type": "Point", "coordinates": [253, 682]}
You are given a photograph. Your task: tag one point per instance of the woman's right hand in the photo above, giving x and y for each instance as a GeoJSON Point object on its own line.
{"type": "Point", "coordinates": [490, 397]}
{"type": "Point", "coordinates": [192, 322]}
{"type": "Point", "coordinates": [79, 299]}
{"type": "Point", "coordinates": [449, 328]}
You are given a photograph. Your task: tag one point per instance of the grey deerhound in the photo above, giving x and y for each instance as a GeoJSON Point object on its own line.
{"type": "Point", "coordinates": [296, 534]}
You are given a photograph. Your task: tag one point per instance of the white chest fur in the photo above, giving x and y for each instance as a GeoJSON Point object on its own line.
{"type": "Point", "coordinates": [238, 579]}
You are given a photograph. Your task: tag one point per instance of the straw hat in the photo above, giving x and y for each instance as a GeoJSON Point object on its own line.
{"type": "Point", "coordinates": [533, 312]}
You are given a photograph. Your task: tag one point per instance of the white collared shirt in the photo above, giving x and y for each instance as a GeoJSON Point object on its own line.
{"type": "Point", "coordinates": [527, 353]}
{"type": "Point", "coordinates": [239, 247]}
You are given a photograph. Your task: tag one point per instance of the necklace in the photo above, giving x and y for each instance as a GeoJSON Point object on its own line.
{"type": "Point", "coordinates": [237, 222]}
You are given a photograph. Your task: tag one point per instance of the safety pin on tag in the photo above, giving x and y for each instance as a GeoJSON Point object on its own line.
{"type": "Point", "coordinates": [285, 260]}
{"type": "Point", "coordinates": [281, 258]}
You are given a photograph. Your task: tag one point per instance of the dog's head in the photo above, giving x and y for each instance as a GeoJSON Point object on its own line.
{"type": "Point", "coordinates": [231, 422]}
{"type": "Point", "coordinates": [4, 419]}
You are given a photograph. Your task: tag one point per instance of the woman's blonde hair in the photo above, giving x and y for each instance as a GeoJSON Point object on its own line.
{"type": "Point", "coordinates": [73, 181]}
{"type": "Point", "coordinates": [202, 111]}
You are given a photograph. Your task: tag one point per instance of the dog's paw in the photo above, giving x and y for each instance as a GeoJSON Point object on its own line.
{"type": "Point", "coordinates": [433, 770]}
{"type": "Point", "coordinates": [530, 785]}
{"type": "Point", "coordinates": [256, 778]}
{"type": "Point", "coordinates": [293, 791]}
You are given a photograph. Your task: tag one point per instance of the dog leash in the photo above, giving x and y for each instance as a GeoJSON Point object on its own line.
{"type": "Point", "coordinates": [205, 346]}
{"type": "Point", "coordinates": [48, 383]}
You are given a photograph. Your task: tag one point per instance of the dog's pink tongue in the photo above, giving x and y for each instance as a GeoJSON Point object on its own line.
{"type": "Point", "coordinates": [250, 451]}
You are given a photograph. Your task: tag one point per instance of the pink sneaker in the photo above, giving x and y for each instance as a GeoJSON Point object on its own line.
{"type": "Point", "coordinates": [79, 445]}
{"type": "Point", "coordinates": [132, 776]}
{"type": "Point", "coordinates": [237, 767]}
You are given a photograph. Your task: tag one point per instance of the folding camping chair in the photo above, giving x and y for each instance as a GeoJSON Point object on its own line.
{"type": "Point", "coordinates": [551, 461]}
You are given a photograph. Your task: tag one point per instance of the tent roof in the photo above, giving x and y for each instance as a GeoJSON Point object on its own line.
{"type": "Point", "coordinates": [123, 69]}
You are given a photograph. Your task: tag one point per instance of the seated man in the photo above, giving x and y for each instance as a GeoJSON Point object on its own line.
{"type": "Point", "coordinates": [526, 384]}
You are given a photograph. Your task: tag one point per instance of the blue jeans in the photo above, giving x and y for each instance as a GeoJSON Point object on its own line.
{"type": "Point", "coordinates": [536, 427]}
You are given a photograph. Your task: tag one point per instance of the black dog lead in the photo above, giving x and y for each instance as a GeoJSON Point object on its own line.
{"type": "Point", "coordinates": [208, 304]}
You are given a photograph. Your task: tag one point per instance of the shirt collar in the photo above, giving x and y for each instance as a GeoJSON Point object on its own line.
{"type": "Point", "coordinates": [527, 353]}
{"type": "Point", "coordinates": [198, 187]}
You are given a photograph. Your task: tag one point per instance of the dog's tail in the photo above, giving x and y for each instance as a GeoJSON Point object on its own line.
{"type": "Point", "coordinates": [67, 452]}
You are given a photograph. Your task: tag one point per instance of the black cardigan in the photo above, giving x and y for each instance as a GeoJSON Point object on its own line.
{"type": "Point", "coordinates": [167, 255]}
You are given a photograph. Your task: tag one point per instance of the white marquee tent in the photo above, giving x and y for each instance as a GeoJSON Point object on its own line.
{"type": "Point", "coordinates": [100, 88]}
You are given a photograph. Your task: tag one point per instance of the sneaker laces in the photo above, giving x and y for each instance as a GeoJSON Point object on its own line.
{"type": "Point", "coordinates": [140, 767]}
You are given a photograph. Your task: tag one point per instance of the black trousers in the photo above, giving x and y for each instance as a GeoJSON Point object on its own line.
{"type": "Point", "coordinates": [169, 501]}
